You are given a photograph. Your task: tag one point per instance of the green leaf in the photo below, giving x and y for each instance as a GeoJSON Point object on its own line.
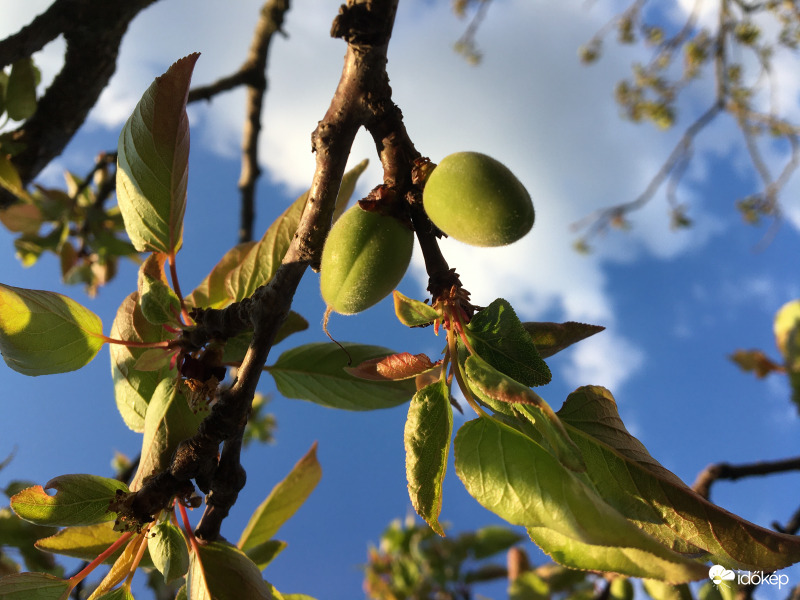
{"type": "Point", "coordinates": [153, 162]}
{"type": "Point", "coordinates": [529, 586]}
{"type": "Point", "coordinates": [315, 372]}
{"type": "Point", "coordinates": [517, 479]}
{"type": "Point", "coordinates": [43, 332]}
{"type": "Point", "coordinates": [236, 347]}
{"type": "Point", "coordinates": [499, 338]}
{"type": "Point", "coordinates": [283, 501]}
{"type": "Point", "coordinates": [428, 429]}
{"type": "Point", "coordinates": [33, 586]}
{"type": "Point", "coordinates": [413, 313]}
{"type": "Point", "coordinates": [133, 388]}
{"type": "Point", "coordinates": [168, 550]}
{"type": "Point", "coordinates": [86, 542]}
{"type": "Point", "coordinates": [550, 338]}
{"type": "Point", "coordinates": [657, 501]}
{"type": "Point", "coordinates": [347, 187]}
{"type": "Point", "coordinates": [248, 266]}
{"type": "Point", "coordinates": [120, 569]}
{"type": "Point", "coordinates": [659, 590]}
{"type": "Point", "coordinates": [158, 302]}
{"type": "Point", "coordinates": [121, 593]}
{"type": "Point", "coordinates": [492, 539]}
{"type": "Point", "coordinates": [19, 534]}
{"type": "Point", "coordinates": [265, 553]}
{"type": "Point", "coordinates": [21, 90]}
{"type": "Point", "coordinates": [79, 500]}
{"type": "Point", "coordinates": [11, 181]}
{"type": "Point", "coordinates": [212, 291]}
{"type": "Point", "coordinates": [168, 422]}
{"type": "Point", "coordinates": [490, 384]}
{"type": "Point", "coordinates": [219, 571]}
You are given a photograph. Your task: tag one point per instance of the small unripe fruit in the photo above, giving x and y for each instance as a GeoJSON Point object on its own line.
{"type": "Point", "coordinates": [364, 258]}
{"type": "Point", "coordinates": [477, 200]}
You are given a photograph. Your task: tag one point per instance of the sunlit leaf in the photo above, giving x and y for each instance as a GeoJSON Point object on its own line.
{"type": "Point", "coordinates": [413, 313]}
{"type": "Point", "coordinates": [236, 347]}
{"type": "Point", "coordinates": [86, 542]}
{"type": "Point", "coordinates": [265, 553]}
{"type": "Point", "coordinates": [220, 571]}
{"type": "Point", "coordinates": [121, 593]}
{"type": "Point", "coordinates": [159, 304]}
{"type": "Point", "coordinates": [499, 338]}
{"type": "Point", "coordinates": [657, 501]}
{"type": "Point", "coordinates": [517, 479]}
{"type": "Point", "coordinates": [168, 422]}
{"type": "Point", "coordinates": [43, 332]}
{"type": "Point", "coordinates": [153, 162]}
{"type": "Point", "coordinates": [168, 550]}
{"type": "Point", "coordinates": [348, 186]}
{"type": "Point", "coordinates": [283, 501]}
{"type": "Point", "coordinates": [428, 429]}
{"type": "Point", "coordinates": [550, 338]}
{"type": "Point", "coordinates": [121, 567]}
{"type": "Point", "coordinates": [11, 181]}
{"type": "Point", "coordinates": [32, 586]}
{"type": "Point", "coordinates": [315, 372]}
{"type": "Point", "coordinates": [212, 291]}
{"type": "Point", "coordinates": [133, 388]}
{"type": "Point", "coordinates": [79, 500]}
{"type": "Point", "coordinates": [492, 385]}
{"type": "Point", "coordinates": [394, 367]}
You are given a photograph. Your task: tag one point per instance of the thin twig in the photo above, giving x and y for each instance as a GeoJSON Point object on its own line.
{"type": "Point", "coordinates": [712, 473]}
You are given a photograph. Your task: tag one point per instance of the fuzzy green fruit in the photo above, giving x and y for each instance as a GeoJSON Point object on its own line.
{"type": "Point", "coordinates": [477, 200]}
{"type": "Point", "coordinates": [364, 258]}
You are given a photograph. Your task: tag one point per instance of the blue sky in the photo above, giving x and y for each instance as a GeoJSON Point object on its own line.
{"type": "Point", "coordinates": [674, 304]}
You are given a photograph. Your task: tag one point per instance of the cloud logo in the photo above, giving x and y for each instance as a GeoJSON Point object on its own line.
{"type": "Point", "coordinates": [719, 574]}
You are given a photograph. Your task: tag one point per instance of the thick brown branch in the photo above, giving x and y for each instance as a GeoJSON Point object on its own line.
{"type": "Point", "coordinates": [93, 30]}
{"type": "Point", "coordinates": [712, 473]}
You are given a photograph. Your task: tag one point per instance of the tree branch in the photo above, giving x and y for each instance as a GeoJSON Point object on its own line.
{"type": "Point", "coordinates": [712, 473]}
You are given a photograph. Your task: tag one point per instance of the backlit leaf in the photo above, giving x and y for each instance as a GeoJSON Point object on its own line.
{"type": "Point", "coordinates": [265, 553]}
{"type": "Point", "coordinates": [428, 429]}
{"type": "Point", "coordinates": [550, 338]}
{"type": "Point", "coordinates": [43, 332]}
{"type": "Point", "coordinates": [168, 550]}
{"type": "Point", "coordinates": [158, 302]}
{"type": "Point", "coordinates": [348, 186]}
{"type": "Point", "coordinates": [212, 291]}
{"type": "Point", "coordinates": [86, 542]}
{"type": "Point", "coordinates": [657, 501]}
{"type": "Point", "coordinates": [168, 422]}
{"type": "Point", "coordinates": [133, 388]}
{"type": "Point", "coordinates": [11, 181]}
{"type": "Point", "coordinates": [522, 482]}
{"type": "Point", "coordinates": [283, 501]}
{"type": "Point", "coordinates": [21, 90]}
{"type": "Point", "coordinates": [394, 367]}
{"type": "Point", "coordinates": [315, 372]}
{"type": "Point", "coordinates": [153, 162]}
{"type": "Point", "coordinates": [220, 571]}
{"type": "Point", "coordinates": [32, 586]}
{"type": "Point", "coordinates": [121, 567]}
{"type": "Point", "coordinates": [413, 313]}
{"type": "Point", "coordinates": [79, 500]}
{"type": "Point", "coordinates": [499, 338]}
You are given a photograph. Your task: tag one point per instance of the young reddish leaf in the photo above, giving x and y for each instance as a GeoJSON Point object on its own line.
{"type": "Point", "coordinates": [316, 372]}
{"type": "Point", "coordinates": [168, 550]}
{"type": "Point", "coordinates": [79, 500]}
{"type": "Point", "coordinates": [133, 388]}
{"type": "Point", "coordinates": [522, 482]}
{"type": "Point", "coordinates": [33, 586]}
{"type": "Point", "coordinates": [394, 367]}
{"type": "Point", "coordinates": [413, 313]}
{"type": "Point", "coordinates": [153, 162]}
{"type": "Point", "coordinates": [756, 361]}
{"type": "Point", "coordinates": [219, 571]}
{"type": "Point", "coordinates": [21, 217]}
{"type": "Point", "coordinates": [550, 338]}
{"type": "Point", "coordinates": [428, 429]}
{"type": "Point", "coordinates": [283, 501]}
{"type": "Point", "coordinates": [499, 338]}
{"type": "Point", "coordinates": [490, 384]}
{"type": "Point", "coordinates": [657, 501]}
{"type": "Point", "coordinates": [168, 422]}
{"type": "Point", "coordinates": [43, 332]}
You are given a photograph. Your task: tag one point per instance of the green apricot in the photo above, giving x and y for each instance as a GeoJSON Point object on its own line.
{"type": "Point", "coordinates": [364, 258]}
{"type": "Point", "coordinates": [477, 200]}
